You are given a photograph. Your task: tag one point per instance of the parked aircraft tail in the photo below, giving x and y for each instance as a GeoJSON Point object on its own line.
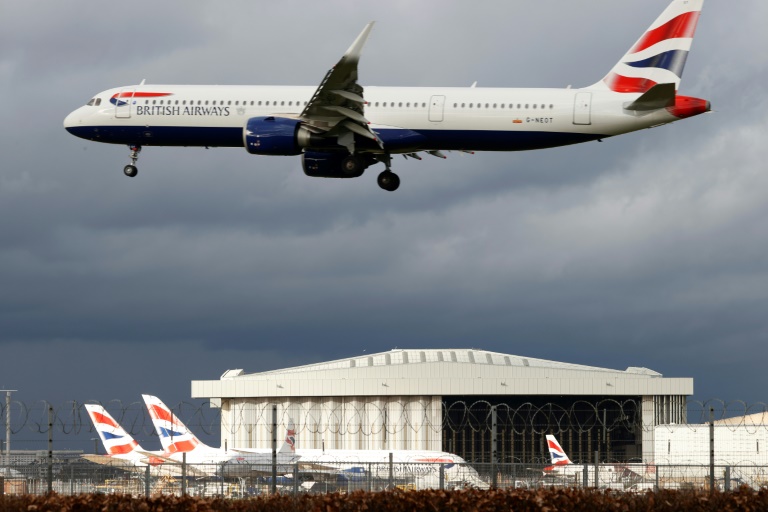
{"type": "Point", "coordinates": [174, 435]}
{"type": "Point", "coordinates": [114, 437]}
{"type": "Point", "coordinates": [289, 446]}
{"type": "Point", "coordinates": [556, 452]}
{"type": "Point", "coordinates": [659, 56]}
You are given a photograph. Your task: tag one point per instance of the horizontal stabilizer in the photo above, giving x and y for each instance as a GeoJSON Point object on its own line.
{"type": "Point", "coordinates": [658, 96]}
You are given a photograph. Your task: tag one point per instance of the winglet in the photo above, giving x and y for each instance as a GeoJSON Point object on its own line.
{"type": "Point", "coordinates": [657, 97]}
{"type": "Point", "coordinates": [354, 51]}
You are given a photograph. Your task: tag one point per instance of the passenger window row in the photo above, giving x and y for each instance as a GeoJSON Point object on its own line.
{"type": "Point", "coordinates": [226, 102]}
{"type": "Point", "coordinates": [520, 106]}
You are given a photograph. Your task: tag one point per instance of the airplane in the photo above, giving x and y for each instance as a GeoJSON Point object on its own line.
{"type": "Point", "coordinates": [179, 443]}
{"type": "Point", "coordinates": [340, 128]}
{"type": "Point", "coordinates": [562, 466]}
{"type": "Point", "coordinates": [421, 466]}
{"type": "Point", "coordinates": [122, 449]}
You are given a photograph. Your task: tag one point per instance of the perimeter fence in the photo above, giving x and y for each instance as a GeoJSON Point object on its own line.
{"type": "Point", "coordinates": [228, 481]}
{"type": "Point", "coordinates": [613, 427]}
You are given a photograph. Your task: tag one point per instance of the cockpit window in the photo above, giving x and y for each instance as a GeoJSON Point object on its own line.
{"type": "Point", "coordinates": [95, 102]}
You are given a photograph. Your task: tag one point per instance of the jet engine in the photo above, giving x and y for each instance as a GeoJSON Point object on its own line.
{"type": "Point", "coordinates": [275, 136]}
{"type": "Point", "coordinates": [319, 164]}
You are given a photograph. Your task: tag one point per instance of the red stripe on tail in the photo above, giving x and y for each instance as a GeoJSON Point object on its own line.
{"type": "Point", "coordinates": [159, 413]}
{"type": "Point", "coordinates": [619, 83]}
{"type": "Point", "coordinates": [182, 446]}
{"type": "Point", "coordinates": [123, 448]}
{"type": "Point", "coordinates": [682, 26]}
{"type": "Point", "coordinates": [106, 420]}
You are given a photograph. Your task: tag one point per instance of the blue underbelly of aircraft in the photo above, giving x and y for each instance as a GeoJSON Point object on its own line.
{"type": "Point", "coordinates": [395, 140]}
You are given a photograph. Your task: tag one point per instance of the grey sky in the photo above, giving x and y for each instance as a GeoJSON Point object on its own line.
{"type": "Point", "coordinates": [646, 250]}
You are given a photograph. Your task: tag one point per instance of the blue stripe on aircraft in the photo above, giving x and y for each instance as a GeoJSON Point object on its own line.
{"type": "Point", "coordinates": [394, 139]}
{"type": "Point", "coordinates": [108, 436]}
{"type": "Point", "coordinates": [169, 433]}
{"type": "Point", "coordinates": [673, 60]}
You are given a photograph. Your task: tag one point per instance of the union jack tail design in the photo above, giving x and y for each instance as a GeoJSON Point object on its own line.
{"type": "Point", "coordinates": [659, 56]}
{"type": "Point", "coordinates": [114, 437]}
{"type": "Point", "coordinates": [290, 439]}
{"type": "Point", "coordinates": [559, 458]}
{"type": "Point", "coordinates": [174, 435]}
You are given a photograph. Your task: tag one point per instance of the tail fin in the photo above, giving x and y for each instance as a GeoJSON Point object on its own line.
{"type": "Point", "coordinates": [114, 437]}
{"type": "Point", "coordinates": [659, 56]}
{"type": "Point", "coordinates": [174, 435]}
{"type": "Point", "coordinates": [289, 446]}
{"type": "Point", "coordinates": [559, 458]}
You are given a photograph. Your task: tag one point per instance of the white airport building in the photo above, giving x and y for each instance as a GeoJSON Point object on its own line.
{"type": "Point", "coordinates": [738, 441]}
{"type": "Point", "coordinates": [442, 400]}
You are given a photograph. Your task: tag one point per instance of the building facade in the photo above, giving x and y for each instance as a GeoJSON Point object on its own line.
{"type": "Point", "coordinates": [446, 400]}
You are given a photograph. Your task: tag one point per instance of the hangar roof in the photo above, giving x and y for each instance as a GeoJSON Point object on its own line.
{"type": "Point", "coordinates": [462, 356]}
{"type": "Point", "coordinates": [441, 372]}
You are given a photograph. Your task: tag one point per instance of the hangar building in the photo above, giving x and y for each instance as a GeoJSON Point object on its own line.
{"type": "Point", "coordinates": [443, 400]}
{"type": "Point", "coordinates": [741, 441]}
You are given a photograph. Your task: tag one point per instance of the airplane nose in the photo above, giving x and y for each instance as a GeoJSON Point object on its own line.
{"type": "Point", "coordinates": [73, 123]}
{"type": "Point", "coordinates": [73, 119]}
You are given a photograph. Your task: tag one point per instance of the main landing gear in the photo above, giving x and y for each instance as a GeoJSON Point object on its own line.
{"type": "Point", "coordinates": [130, 170]}
{"type": "Point", "coordinates": [388, 180]}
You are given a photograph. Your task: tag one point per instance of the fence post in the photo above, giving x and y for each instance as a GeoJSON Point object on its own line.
{"type": "Point", "coordinates": [586, 475]}
{"type": "Point", "coordinates": [50, 449]}
{"type": "Point", "coordinates": [711, 449]}
{"type": "Point", "coordinates": [273, 487]}
{"type": "Point", "coordinates": [295, 479]}
{"type": "Point", "coordinates": [656, 485]}
{"type": "Point", "coordinates": [597, 465]}
{"type": "Point", "coordinates": [391, 480]}
{"type": "Point", "coordinates": [727, 485]}
{"type": "Point", "coordinates": [494, 477]}
{"type": "Point", "coordinates": [442, 477]}
{"type": "Point", "coordinates": [184, 474]}
{"type": "Point", "coordinates": [146, 482]}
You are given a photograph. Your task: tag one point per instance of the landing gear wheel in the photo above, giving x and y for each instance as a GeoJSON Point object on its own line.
{"type": "Point", "coordinates": [353, 166]}
{"type": "Point", "coordinates": [130, 170]}
{"type": "Point", "coordinates": [389, 181]}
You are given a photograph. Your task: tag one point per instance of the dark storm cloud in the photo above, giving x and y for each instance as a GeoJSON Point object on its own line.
{"type": "Point", "coordinates": [644, 250]}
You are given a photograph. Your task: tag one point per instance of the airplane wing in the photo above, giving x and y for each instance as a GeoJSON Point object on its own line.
{"type": "Point", "coordinates": [172, 466]}
{"type": "Point", "coordinates": [337, 108]}
{"type": "Point", "coordinates": [106, 460]}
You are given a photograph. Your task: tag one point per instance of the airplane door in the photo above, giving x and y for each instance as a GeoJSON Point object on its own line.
{"type": "Point", "coordinates": [582, 108]}
{"type": "Point", "coordinates": [123, 102]}
{"type": "Point", "coordinates": [436, 105]}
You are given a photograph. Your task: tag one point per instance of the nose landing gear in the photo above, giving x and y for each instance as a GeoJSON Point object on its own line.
{"type": "Point", "coordinates": [130, 170]}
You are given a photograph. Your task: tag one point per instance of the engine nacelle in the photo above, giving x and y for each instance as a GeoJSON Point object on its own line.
{"type": "Point", "coordinates": [326, 165]}
{"type": "Point", "coordinates": [274, 136]}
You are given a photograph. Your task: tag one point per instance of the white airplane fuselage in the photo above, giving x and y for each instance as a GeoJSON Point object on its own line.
{"type": "Point", "coordinates": [407, 119]}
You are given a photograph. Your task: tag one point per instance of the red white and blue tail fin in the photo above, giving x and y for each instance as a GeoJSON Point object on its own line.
{"type": "Point", "coordinates": [659, 56]}
{"type": "Point", "coordinates": [174, 435]}
{"type": "Point", "coordinates": [289, 446]}
{"type": "Point", "coordinates": [114, 437]}
{"type": "Point", "coordinates": [556, 452]}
